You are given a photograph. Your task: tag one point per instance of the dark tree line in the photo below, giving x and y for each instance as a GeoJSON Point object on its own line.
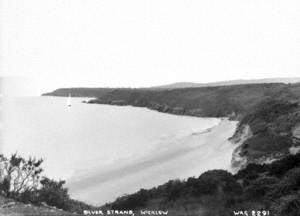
{"type": "Point", "coordinates": [274, 187]}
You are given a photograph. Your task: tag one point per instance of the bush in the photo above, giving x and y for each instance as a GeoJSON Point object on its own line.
{"type": "Point", "coordinates": [289, 183]}
{"type": "Point", "coordinates": [219, 181]}
{"type": "Point", "coordinates": [251, 171]}
{"type": "Point", "coordinates": [21, 180]}
{"type": "Point", "coordinates": [287, 206]}
{"type": "Point", "coordinates": [29, 197]}
{"type": "Point", "coordinates": [279, 168]}
{"type": "Point", "coordinates": [54, 194]}
{"type": "Point", "coordinates": [174, 189]}
{"type": "Point", "coordinates": [19, 175]}
{"type": "Point", "coordinates": [258, 188]}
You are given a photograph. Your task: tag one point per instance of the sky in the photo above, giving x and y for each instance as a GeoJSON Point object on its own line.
{"type": "Point", "coordinates": [138, 43]}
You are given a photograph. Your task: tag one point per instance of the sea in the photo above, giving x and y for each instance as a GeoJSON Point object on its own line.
{"type": "Point", "coordinates": [104, 151]}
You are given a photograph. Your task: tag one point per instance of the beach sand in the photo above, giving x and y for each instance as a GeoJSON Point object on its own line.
{"type": "Point", "coordinates": [180, 158]}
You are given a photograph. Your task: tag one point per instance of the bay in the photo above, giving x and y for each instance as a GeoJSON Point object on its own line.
{"type": "Point", "coordinates": [105, 151]}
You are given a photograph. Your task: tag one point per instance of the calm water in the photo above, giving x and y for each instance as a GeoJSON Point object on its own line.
{"type": "Point", "coordinates": [105, 151]}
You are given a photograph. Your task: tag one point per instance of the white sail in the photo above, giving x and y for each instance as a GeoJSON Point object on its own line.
{"type": "Point", "coordinates": [69, 104]}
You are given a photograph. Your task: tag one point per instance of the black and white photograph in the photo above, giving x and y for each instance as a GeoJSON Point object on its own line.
{"type": "Point", "coordinates": [147, 107]}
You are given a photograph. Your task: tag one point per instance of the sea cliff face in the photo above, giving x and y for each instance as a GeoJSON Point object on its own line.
{"type": "Point", "coordinates": [242, 133]}
{"type": "Point", "coordinates": [270, 132]}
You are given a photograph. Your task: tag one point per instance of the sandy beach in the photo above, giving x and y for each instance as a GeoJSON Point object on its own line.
{"type": "Point", "coordinates": [189, 156]}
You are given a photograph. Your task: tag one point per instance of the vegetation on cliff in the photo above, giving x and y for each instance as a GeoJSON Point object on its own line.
{"type": "Point", "coordinates": [272, 124]}
{"type": "Point", "coordinates": [216, 101]}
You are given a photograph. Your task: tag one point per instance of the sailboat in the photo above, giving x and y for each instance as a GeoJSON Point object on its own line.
{"type": "Point", "coordinates": [69, 104]}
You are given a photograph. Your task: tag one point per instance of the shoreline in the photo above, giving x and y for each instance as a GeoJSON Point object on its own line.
{"type": "Point", "coordinates": [87, 101]}
{"type": "Point", "coordinates": [196, 156]}
{"type": "Point", "coordinates": [157, 107]}
{"type": "Point", "coordinates": [152, 106]}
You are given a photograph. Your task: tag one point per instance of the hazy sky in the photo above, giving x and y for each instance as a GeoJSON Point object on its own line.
{"type": "Point", "coordinates": [61, 43]}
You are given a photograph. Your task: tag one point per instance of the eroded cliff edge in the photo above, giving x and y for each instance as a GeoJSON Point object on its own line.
{"type": "Point", "coordinates": [269, 132]}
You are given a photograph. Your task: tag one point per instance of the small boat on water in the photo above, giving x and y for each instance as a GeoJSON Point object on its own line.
{"type": "Point", "coordinates": [69, 103]}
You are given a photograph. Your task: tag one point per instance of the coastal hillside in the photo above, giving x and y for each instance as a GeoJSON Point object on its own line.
{"type": "Point", "coordinates": [221, 101]}
{"type": "Point", "coordinates": [80, 92]}
{"type": "Point", "coordinates": [269, 189]}
{"type": "Point", "coordinates": [231, 82]}
{"type": "Point", "coordinates": [218, 101]}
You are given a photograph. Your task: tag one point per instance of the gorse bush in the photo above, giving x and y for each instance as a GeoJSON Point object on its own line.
{"type": "Point", "coordinates": [19, 175]}
{"type": "Point", "coordinates": [53, 193]}
{"type": "Point", "coordinates": [290, 182]}
{"type": "Point", "coordinates": [260, 187]}
{"type": "Point", "coordinates": [21, 180]}
{"type": "Point", "coordinates": [287, 206]}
